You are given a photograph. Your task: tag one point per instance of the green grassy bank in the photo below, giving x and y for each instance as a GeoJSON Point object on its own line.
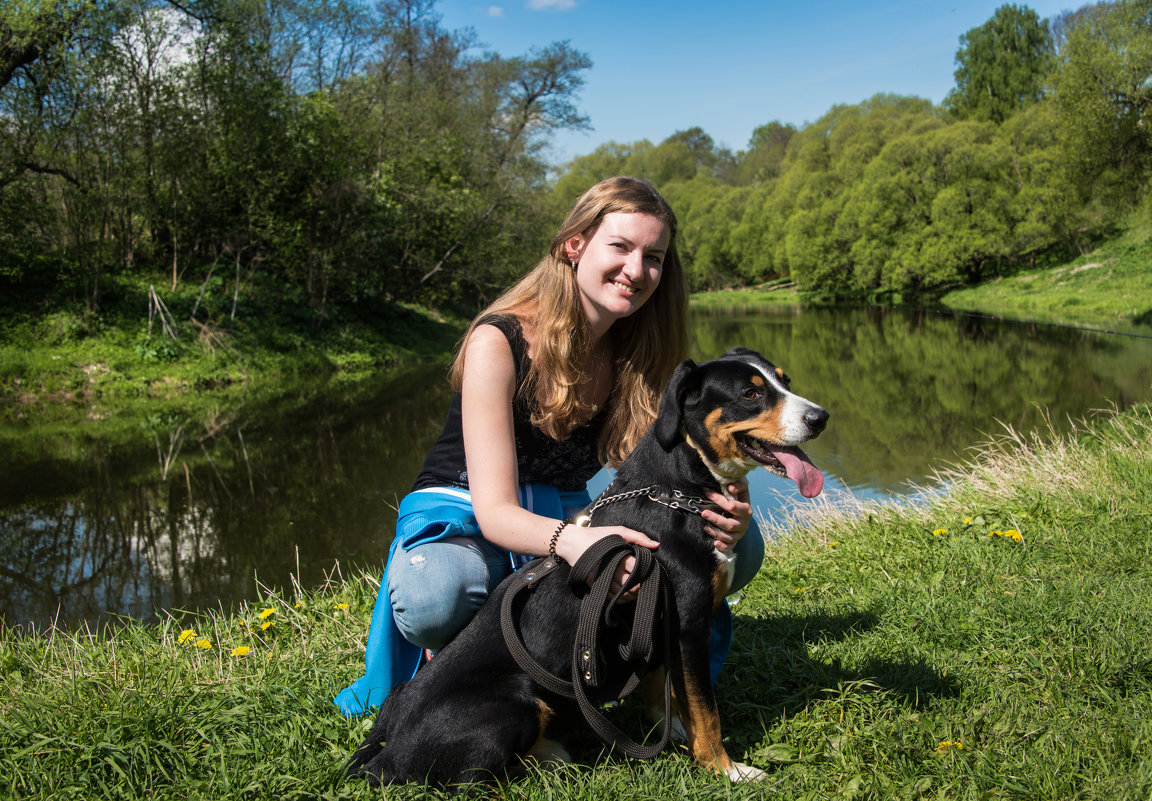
{"type": "Point", "coordinates": [994, 642]}
{"type": "Point", "coordinates": [1108, 287]}
{"type": "Point", "coordinates": [154, 351]}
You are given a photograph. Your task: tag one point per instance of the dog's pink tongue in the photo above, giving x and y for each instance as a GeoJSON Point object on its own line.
{"type": "Point", "coordinates": [801, 470]}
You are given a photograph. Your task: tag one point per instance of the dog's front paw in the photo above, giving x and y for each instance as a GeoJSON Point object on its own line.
{"type": "Point", "coordinates": [739, 772]}
{"type": "Point", "coordinates": [549, 752]}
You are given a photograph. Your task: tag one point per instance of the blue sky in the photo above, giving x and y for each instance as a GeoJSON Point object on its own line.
{"type": "Point", "coordinates": [729, 66]}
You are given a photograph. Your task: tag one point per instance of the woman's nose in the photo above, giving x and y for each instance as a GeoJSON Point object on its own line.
{"type": "Point", "coordinates": [634, 264]}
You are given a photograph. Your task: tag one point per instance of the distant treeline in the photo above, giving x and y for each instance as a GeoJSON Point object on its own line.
{"type": "Point", "coordinates": [330, 153]}
{"type": "Point", "coordinates": [1045, 141]}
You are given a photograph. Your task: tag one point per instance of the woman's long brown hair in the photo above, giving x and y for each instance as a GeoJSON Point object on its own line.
{"type": "Point", "coordinates": [648, 344]}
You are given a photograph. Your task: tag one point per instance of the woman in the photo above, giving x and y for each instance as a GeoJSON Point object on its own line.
{"type": "Point", "coordinates": [559, 375]}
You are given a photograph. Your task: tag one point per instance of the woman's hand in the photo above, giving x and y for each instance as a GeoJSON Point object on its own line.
{"type": "Point", "coordinates": [727, 527]}
{"type": "Point", "coordinates": [575, 540]}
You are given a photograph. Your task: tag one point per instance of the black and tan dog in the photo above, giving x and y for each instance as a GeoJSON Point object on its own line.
{"type": "Point", "coordinates": [473, 714]}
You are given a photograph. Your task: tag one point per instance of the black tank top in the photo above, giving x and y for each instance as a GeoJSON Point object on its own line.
{"type": "Point", "coordinates": [565, 465]}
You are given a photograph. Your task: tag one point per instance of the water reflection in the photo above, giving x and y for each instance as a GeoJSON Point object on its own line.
{"type": "Point", "coordinates": [190, 518]}
{"type": "Point", "coordinates": [912, 390]}
{"type": "Point", "coordinates": [190, 513]}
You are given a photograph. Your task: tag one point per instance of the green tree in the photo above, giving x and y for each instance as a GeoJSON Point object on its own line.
{"type": "Point", "coordinates": [35, 30]}
{"type": "Point", "coordinates": [328, 151]}
{"type": "Point", "coordinates": [1103, 93]}
{"type": "Point", "coordinates": [706, 208]}
{"type": "Point", "coordinates": [1002, 65]}
{"type": "Point", "coordinates": [765, 154]}
{"type": "Point", "coordinates": [1043, 208]}
{"type": "Point", "coordinates": [582, 172]}
{"type": "Point", "coordinates": [825, 162]}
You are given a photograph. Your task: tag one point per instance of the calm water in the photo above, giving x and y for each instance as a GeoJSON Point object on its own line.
{"type": "Point", "coordinates": [191, 512]}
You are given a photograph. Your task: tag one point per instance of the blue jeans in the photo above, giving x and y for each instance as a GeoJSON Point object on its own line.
{"type": "Point", "coordinates": [436, 588]}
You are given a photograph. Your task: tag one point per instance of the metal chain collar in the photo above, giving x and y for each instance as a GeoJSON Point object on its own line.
{"type": "Point", "coordinates": [674, 499]}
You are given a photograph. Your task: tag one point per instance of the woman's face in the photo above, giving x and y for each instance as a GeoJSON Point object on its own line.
{"type": "Point", "coordinates": [619, 265]}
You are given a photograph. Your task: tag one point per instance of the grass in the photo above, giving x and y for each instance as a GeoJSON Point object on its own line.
{"type": "Point", "coordinates": [884, 651]}
{"type": "Point", "coordinates": [779, 291]}
{"type": "Point", "coordinates": [67, 364]}
{"type": "Point", "coordinates": [1111, 286]}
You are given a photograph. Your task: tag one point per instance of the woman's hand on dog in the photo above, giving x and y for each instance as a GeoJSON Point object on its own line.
{"type": "Point", "coordinates": [728, 527]}
{"type": "Point", "coordinates": [575, 540]}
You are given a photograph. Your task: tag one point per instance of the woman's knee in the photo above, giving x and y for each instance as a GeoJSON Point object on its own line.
{"type": "Point", "coordinates": [435, 589]}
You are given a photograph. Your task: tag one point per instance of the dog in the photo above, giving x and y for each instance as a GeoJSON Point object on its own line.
{"type": "Point", "coordinates": [473, 714]}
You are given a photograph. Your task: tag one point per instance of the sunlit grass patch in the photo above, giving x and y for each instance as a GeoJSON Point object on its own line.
{"type": "Point", "coordinates": [1108, 287]}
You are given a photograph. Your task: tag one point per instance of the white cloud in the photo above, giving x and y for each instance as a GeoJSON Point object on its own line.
{"type": "Point", "coordinates": [495, 11]}
{"type": "Point", "coordinates": [551, 5]}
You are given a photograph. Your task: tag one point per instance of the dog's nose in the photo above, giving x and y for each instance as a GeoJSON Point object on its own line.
{"type": "Point", "coordinates": [816, 418]}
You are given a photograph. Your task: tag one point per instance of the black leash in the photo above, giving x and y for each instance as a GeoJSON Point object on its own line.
{"type": "Point", "coordinates": [597, 609]}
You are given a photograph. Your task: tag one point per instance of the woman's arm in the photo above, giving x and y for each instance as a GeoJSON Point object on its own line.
{"type": "Point", "coordinates": [487, 395]}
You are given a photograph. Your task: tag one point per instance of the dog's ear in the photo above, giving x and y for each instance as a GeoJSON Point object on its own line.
{"type": "Point", "coordinates": [667, 425]}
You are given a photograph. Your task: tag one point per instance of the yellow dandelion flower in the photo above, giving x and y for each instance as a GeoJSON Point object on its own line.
{"type": "Point", "coordinates": [833, 544]}
{"type": "Point", "coordinates": [203, 643]}
{"type": "Point", "coordinates": [242, 650]}
{"type": "Point", "coordinates": [267, 624]}
{"type": "Point", "coordinates": [186, 635]}
{"type": "Point", "coordinates": [298, 605]}
{"type": "Point", "coordinates": [948, 745]}
{"type": "Point", "coordinates": [801, 589]}
{"type": "Point", "coordinates": [939, 531]}
{"type": "Point", "coordinates": [266, 613]}
{"type": "Point", "coordinates": [342, 607]}
{"type": "Point", "coordinates": [242, 623]}
{"type": "Point", "coordinates": [967, 521]}
{"type": "Point", "coordinates": [996, 533]}
{"type": "Point", "coordinates": [1014, 535]}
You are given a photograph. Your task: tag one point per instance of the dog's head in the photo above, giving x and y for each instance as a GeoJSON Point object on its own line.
{"type": "Point", "coordinates": [739, 414]}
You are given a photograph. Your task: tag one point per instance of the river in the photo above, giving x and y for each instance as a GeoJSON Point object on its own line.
{"type": "Point", "coordinates": [200, 513]}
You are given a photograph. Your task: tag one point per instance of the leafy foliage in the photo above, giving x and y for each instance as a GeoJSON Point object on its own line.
{"type": "Point", "coordinates": [353, 151]}
{"type": "Point", "coordinates": [341, 153]}
{"type": "Point", "coordinates": [1104, 98]}
{"type": "Point", "coordinates": [1002, 65]}
{"type": "Point", "coordinates": [1041, 145]}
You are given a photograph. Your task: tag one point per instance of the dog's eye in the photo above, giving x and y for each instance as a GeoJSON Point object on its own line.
{"type": "Point", "coordinates": [753, 393]}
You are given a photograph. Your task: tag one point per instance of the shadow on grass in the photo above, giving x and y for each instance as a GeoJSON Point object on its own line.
{"type": "Point", "coordinates": [775, 670]}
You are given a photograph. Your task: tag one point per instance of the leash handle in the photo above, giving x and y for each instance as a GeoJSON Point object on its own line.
{"type": "Point", "coordinates": [595, 608]}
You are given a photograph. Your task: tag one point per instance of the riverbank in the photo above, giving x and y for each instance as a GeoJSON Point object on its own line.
{"type": "Point", "coordinates": [1107, 288]}
{"type": "Point", "coordinates": [147, 353]}
{"type": "Point", "coordinates": [151, 352]}
{"type": "Point", "coordinates": [995, 641]}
